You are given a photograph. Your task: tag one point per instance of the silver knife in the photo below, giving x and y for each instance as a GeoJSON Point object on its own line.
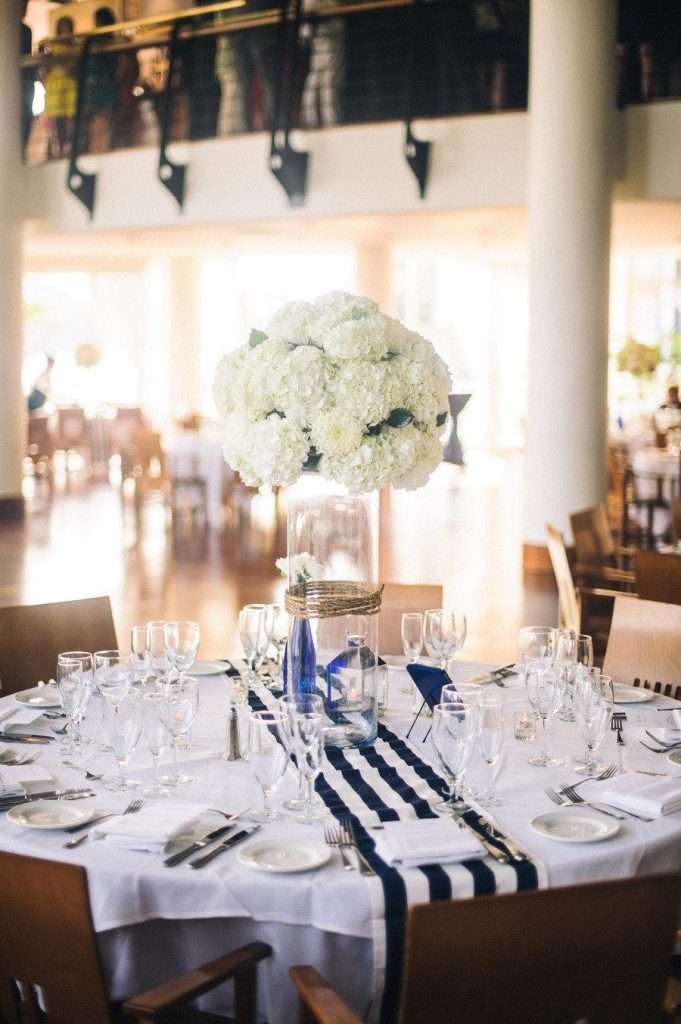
{"type": "Point", "coordinates": [12, 737]}
{"type": "Point", "coordinates": [52, 794]}
{"type": "Point", "coordinates": [199, 844]}
{"type": "Point", "coordinates": [493, 851]}
{"type": "Point", "coordinates": [221, 847]}
{"type": "Point", "coordinates": [502, 840]}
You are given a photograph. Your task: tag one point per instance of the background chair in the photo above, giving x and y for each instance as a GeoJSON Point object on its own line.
{"type": "Point", "coordinates": [594, 541]}
{"type": "Point", "coordinates": [31, 637]}
{"type": "Point", "coordinates": [644, 642]}
{"type": "Point", "coordinates": [54, 948]}
{"type": "Point", "coordinates": [547, 950]}
{"type": "Point", "coordinates": [399, 598]}
{"type": "Point", "coordinates": [658, 576]}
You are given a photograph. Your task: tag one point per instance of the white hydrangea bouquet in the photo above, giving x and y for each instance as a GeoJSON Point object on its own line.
{"type": "Point", "coordinates": [338, 387]}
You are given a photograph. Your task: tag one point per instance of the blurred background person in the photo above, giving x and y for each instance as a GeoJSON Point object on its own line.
{"type": "Point", "coordinates": [61, 87]}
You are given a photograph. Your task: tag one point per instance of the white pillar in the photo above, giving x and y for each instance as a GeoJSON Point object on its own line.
{"type": "Point", "coordinates": [572, 121]}
{"type": "Point", "coordinates": [373, 273]}
{"type": "Point", "coordinates": [185, 335]}
{"type": "Point", "coordinates": [12, 403]}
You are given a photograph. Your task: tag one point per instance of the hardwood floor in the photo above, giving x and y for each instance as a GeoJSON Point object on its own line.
{"type": "Point", "coordinates": [462, 531]}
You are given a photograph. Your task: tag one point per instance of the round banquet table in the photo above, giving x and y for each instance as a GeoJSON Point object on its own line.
{"type": "Point", "coordinates": [651, 463]}
{"type": "Point", "coordinates": [154, 922]}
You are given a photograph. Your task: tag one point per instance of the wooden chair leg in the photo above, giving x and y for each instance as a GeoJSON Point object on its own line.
{"type": "Point", "coordinates": [245, 997]}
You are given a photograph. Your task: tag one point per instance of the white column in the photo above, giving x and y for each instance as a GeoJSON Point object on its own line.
{"type": "Point", "coordinates": [373, 273]}
{"type": "Point", "coordinates": [12, 404]}
{"type": "Point", "coordinates": [185, 335]}
{"type": "Point", "coordinates": [572, 121]}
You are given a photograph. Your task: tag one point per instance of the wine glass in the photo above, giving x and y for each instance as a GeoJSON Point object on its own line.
{"type": "Point", "coordinates": [454, 730]}
{"type": "Point", "coordinates": [303, 727]}
{"type": "Point", "coordinates": [121, 724]}
{"type": "Point", "coordinates": [537, 645]}
{"type": "Point", "coordinates": [156, 645]}
{"type": "Point", "coordinates": [545, 689]}
{"type": "Point", "coordinates": [412, 640]}
{"type": "Point", "coordinates": [593, 705]}
{"type": "Point", "coordinates": [276, 631]}
{"type": "Point", "coordinates": [583, 656]}
{"type": "Point", "coordinates": [181, 644]}
{"type": "Point", "coordinates": [156, 734]}
{"type": "Point", "coordinates": [140, 655]}
{"type": "Point", "coordinates": [297, 803]}
{"type": "Point", "coordinates": [71, 687]}
{"type": "Point", "coordinates": [85, 658]}
{"type": "Point", "coordinates": [177, 713]}
{"type": "Point", "coordinates": [113, 678]}
{"type": "Point", "coordinates": [444, 632]}
{"type": "Point", "coordinates": [253, 637]}
{"type": "Point", "coordinates": [267, 757]}
{"type": "Point", "coordinates": [490, 742]}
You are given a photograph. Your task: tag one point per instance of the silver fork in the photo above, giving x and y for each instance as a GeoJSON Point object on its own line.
{"type": "Point", "coordinates": [332, 837]}
{"type": "Point", "coordinates": [347, 831]}
{"type": "Point", "coordinates": [133, 807]}
{"type": "Point", "coordinates": [607, 773]}
{"type": "Point", "coordinates": [95, 776]}
{"type": "Point", "coordinates": [577, 799]}
{"type": "Point", "coordinates": [25, 758]}
{"type": "Point", "coordinates": [616, 726]}
{"type": "Point", "coordinates": [567, 802]}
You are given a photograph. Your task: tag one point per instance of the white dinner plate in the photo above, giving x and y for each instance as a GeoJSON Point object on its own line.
{"type": "Point", "coordinates": [674, 756]}
{"type": "Point", "coordinates": [285, 855]}
{"type": "Point", "coordinates": [207, 668]}
{"type": "Point", "coordinates": [632, 694]}
{"type": "Point", "coordinates": [39, 697]}
{"type": "Point", "coordinates": [50, 814]}
{"type": "Point", "coordinates": [575, 825]}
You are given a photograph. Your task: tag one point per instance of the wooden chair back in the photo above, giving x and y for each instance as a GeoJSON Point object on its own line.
{"type": "Point", "coordinates": [40, 439]}
{"type": "Point", "coordinates": [31, 637]}
{"type": "Point", "coordinates": [547, 951]}
{"type": "Point", "coordinates": [675, 521]}
{"type": "Point", "coordinates": [658, 576]}
{"type": "Point", "coordinates": [48, 942]}
{"type": "Point", "coordinates": [397, 599]}
{"type": "Point", "coordinates": [568, 602]}
{"type": "Point", "coordinates": [644, 642]}
{"type": "Point", "coordinates": [74, 429]}
{"type": "Point", "coordinates": [594, 544]}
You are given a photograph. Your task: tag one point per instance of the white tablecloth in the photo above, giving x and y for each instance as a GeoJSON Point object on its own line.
{"type": "Point", "coordinates": [191, 455]}
{"type": "Point", "coordinates": [656, 462]}
{"type": "Point", "coordinates": [183, 917]}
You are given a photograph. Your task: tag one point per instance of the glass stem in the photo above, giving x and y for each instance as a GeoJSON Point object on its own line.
{"type": "Point", "coordinates": [266, 793]}
{"type": "Point", "coordinates": [491, 780]}
{"type": "Point", "coordinates": [176, 763]}
{"type": "Point", "coordinates": [309, 799]}
{"type": "Point", "coordinates": [545, 738]}
{"type": "Point", "coordinates": [156, 757]}
{"type": "Point", "coordinates": [120, 764]}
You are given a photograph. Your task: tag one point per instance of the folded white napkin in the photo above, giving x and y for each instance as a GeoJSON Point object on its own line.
{"type": "Point", "coordinates": [676, 715]}
{"type": "Point", "coordinates": [14, 778]}
{"type": "Point", "coordinates": [639, 793]}
{"type": "Point", "coordinates": [19, 716]}
{"type": "Point", "coordinates": [426, 841]}
{"type": "Point", "coordinates": [152, 827]}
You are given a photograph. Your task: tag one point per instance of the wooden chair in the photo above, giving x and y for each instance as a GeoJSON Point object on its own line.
{"type": "Point", "coordinates": [143, 462]}
{"type": "Point", "coordinates": [399, 598]}
{"type": "Point", "coordinates": [31, 637]}
{"type": "Point", "coordinates": [644, 647]}
{"type": "Point", "coordinates": [74, 434]}
{"type": "Point", "coordinates": [594, 541]}
{"type": "Point", "coordinates": [51, 945]}
{"type": "Point", "coordinates": [532, 957]}
{"type": "Point", "coordinates": [658, 576]}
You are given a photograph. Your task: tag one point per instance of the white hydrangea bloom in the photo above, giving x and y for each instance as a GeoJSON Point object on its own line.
{"type": "Point", "coordinates": [300, 567]}
{"type": "Point", "coordinates": [335, 433]}
{"type": "Point", "coordinates": [291, 323]}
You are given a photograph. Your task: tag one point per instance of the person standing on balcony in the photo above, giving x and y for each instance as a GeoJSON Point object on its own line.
{"type": "Point", "coordinates": [101, 90]}
{"type": "Point", "coordinates": [27, 77]}
{"type": "Point", "coordinates": [256, 51]}
{"type": "Point", "coordinates": [321, 100]}
{"type": "Point", "coordinates": [231, 120]}
{"type": "Point", "coordinates": [61, 87]}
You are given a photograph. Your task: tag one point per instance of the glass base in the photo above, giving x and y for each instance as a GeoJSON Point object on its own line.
{"type": "Point", "coordinates": [591, 770]}
{"type": "Point", "coordinates": [567, 715]}
{"type": "Point", "coordinates": [266, 814]}
{"type": "Point", "coordinates": [156, 791]}
{"type": "Point", "coordinates": [117, 785]}
{"type": "Point", "coordinates": [294, 805]}
{"type": "Point", "coordinates": [312, 816]}
{"type": "Point", "coordinates": [581, 759]}
{"type": "Point", "coordinates": [177, 779]}
{"type": "Point", "coordinates": [492, 801]}
{"type": "Point", "coordinates": [546, 761]}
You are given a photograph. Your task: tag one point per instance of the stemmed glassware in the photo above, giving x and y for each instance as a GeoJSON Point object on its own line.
{"type": "Point", "coordinates": [593, 703]}
{"type": "Point", "coordinates": [113, 677]}
{"type": "Point", "coordinates": [267, 757]}
{"type": "Point", "coordinates": [156, 734]}
{"type": "Point", "coordinates": [253, 637]}
{"type": "Point", "coordinates": [156, 645]}
{"type": "Point", "coordinates": [177, 713]}
{"type": "Point", "coordinates": [276, 631]}
{"type": "Point", "coordinates": [583, 656]}
{"type": "Point", "coordinates": [121, 725]}
{"type": "Point", "coordinates": [85, 658]}
{"type": "Point", "coordinates": [412, 640]}
{"type": "Point", "coordinates": [140, 655]}
{"type": "Point", "coordinates": [545, 688]}
{"type": "Point", "coordinates": [302, 729]}
{"type": "Point", "coordinates": [537, 645]}
{"type": "Point", "coordinates": [181, 645]}
{"type": "Point", "coordinates": [490, 742]}
{"type": "Point", "coordinates": [454, 731]}
{"type": "Point", "coordinates": [444, 632]}
{"type": "Point", "coordinates": [72, 688]}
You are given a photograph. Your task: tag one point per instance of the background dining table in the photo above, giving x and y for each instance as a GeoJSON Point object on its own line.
{"type": "Point", "coordinates": [153, 921]}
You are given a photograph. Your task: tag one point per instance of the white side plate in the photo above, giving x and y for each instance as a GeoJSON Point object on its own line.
{"type": "Point", "coordinates": [39, 697]}
{"type": "Point", "coordinates": [285, 855]}
{"type": "Point", "coordinates": [575, 825]}
{"type": "Point", "coordinates": [50, 814]}
{"type": "Point", "coordinates": [632, 694]}
{"type": "Point", "coordinates": [207, 668]}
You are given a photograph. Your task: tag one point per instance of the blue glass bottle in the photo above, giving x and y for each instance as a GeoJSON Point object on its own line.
{"type": "Point", "coordinates": [301, 650]}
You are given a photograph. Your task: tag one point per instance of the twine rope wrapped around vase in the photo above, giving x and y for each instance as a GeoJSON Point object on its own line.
{"type": "Point", "coordinates": [325, 599]}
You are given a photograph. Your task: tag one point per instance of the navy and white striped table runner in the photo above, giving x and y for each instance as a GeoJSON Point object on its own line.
{"type": "Point", "coordinates": [389, 781]}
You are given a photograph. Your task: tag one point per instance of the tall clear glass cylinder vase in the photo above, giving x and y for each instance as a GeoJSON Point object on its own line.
{"type": "Point", "coordinates": [333, 598]}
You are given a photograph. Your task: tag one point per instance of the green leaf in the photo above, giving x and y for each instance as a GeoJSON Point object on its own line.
{"type": "Point", "coordinates": [400, 418]}
{"type": "Point", "coordinates": [441, 419]}
{"type": "Point", "coordinates": [277, 412]}
{"type": "Point", "coordinates": [373, 430]}
{"type": "Point", "coordinates": [358, 313]}
{"type": "Point", "coordinates": [313, 457]}
{"type": "Point", "coordinates": [256, 338]}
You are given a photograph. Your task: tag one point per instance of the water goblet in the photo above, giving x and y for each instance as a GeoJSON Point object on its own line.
{"type": "Point", "coordinates": [490, 742]}
{"type": "Point", "coordinates": [545, 689]}
{"type": "Point", "coordinates": [454, 731]}
{"type": "Point", "coordinates": [113, 678]}
{"type": "Point", "coordinates": [594, 699]}
{"type": "Point", "coordinates": [412, 640]}
{"type": "Point", "coordinates": [177, 712]}
{"type": "Point", "coordinates": [303, 728]}
{"type": "Point", "coordinates": [267, 758]}
{"type": "Point", "coordinates": [85, 659]}
{"type": "Point", "coordinates": [121, 725]}
{"type": "Point", "coordinates": [156, 735]}
{"type": "Point", "coordinates": [297, 803]}
{"type": "Point", "coordinates": [71, 686]}
{"type": "Point", "coordinates": [181, 644]}
{"type": "Point", "coordinates": [276, 630]}
{"type": "Point", "coordinates": [444, 632]}
{"type": "Point", "coordinates": [537, 645]}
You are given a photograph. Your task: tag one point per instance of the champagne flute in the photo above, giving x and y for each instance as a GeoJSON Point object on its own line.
{"type": "Point", "coordinates": [156, 645]}
{"type": "Point", "coordinates": [121, 724]}
{"type": "Point", "coordinates": [253, 638]}
{"type": "Point", "coordinates": [490, 742]}
{"type": "Point", "coordinates": [177, 712]}
{"type": "Point", "coordinates": [454, 731]}
{"type": "Point", "coordinates": [267, 758]}
{"type": "Point", "coordinates": [70, 685]}
{"type": "Point", "coordinates": [140, 655]}
{"type": "Point", "coordinates": [315, 702]}
{"type": "Point", "coordinates": [276, 630]}
{"type": "Point", "coordinates": [156, 735]}
{"type": "Point", "coordinates": [412, 640]}
{"type": "Point", "coordinates": [584, 656]}
{"type": "Point", "coordinates": [545, 689]}
{"type": "Point", "coordinates": [181, 644]}
{"type": "Point", "coordinates": [304, 727]}
{"type": "Point", "coordinates": [85, 659]}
